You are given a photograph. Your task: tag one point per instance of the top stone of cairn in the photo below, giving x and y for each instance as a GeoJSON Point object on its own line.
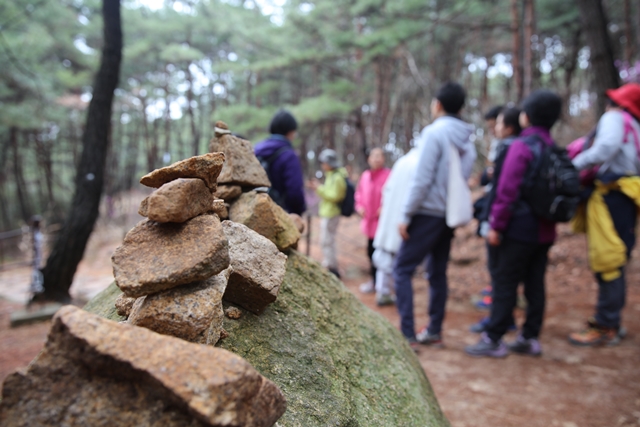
{"type": "Point", "coordinates": [206, 167]}
{"type": "Point", "coordinates": [241, 166]}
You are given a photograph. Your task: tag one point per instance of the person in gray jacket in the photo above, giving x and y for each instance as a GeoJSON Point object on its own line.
{"type": "Point", "coordinates": [424, 229]}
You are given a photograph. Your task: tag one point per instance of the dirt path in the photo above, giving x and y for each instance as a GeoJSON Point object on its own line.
{"type": "Point", "coordinates": [566, 387]}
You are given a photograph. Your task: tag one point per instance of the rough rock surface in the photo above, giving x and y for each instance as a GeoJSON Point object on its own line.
{"type": "Point", "coordinates": [95, 372]}
{"type": "Point", "coordinates": [337, 362]}
{"type": "Point", "coordinates": [192, 312]}
{"type": "Point", "coordinates": [228, 192]}
{"type": "Point", "coordinates": [206, 167]}
{"type": "Point", "coordinates": [219, 208]}
{"type": "Point", "coordinates": [257, 268]}
{"type": "Point", "coordinates": [298, 222]}
{"type": "Point", "coordinates": [233, 313]}
{"type": "Point", "coordinates": [241, 166]}
{"type": "Point", "coordinates": [124, 305]}
{"type": "Point", "coordinates": [177, 201]}
{"type": "Point", "coordinates": [155, 257]}
{"type": "Point", "coordinates": [258, 212]}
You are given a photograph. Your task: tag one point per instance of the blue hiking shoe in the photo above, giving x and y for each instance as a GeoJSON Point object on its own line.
{"type": "Point", "coordinates": [487, 348]}
{"type": "Point", "coordinates": [529, 347]}
{"type": "Point", "coordinates": [481, 326]}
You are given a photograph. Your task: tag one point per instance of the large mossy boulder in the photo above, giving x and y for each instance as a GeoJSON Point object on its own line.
{"type": "Point", "coordinates": [337, 362]}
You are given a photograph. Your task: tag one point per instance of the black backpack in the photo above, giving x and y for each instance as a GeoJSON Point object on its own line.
{"type": "Point", "coordinates": [275, 195]}
{"type": "Point", "coordinates": [348, 204]}
{"type": "Point", "coordinates": [552, 184]}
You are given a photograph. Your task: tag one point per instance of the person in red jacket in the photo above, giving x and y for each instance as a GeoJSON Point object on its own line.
{"type": "Point", "coordinates": [368, 199]}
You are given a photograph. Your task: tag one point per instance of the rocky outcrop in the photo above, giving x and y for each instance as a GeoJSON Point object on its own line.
{"type": "Point", "coordinates": [177, 201]}
{"type": "Point", "coordinates": [206, 167]}
{"type": "Point", "coordinates": [96, 372]}
{"type": "Point", "coordinates": [337, 362]}
{"type": "Point", "coordinates": [257, 268]}
{"type": "Point", "coordinates": [241, 166]}
{"type": "Point", "coordinates": [192, 312]}
{"type": "Point", "coordinates": [155, 257]}
{"type": "Point", "coordinates": [261, 214]}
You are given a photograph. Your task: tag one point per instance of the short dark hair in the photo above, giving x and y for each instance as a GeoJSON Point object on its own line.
{"type": "Point", "coordinates": [282, 123]}
{"type": "Point", "coordinates": [511, 119]}
{"type": "Point", "coordinates": [451, 95]}
{"type": "Point", "coordinates": [543, 107]}
{"type": "Point", "coordinates": [493, 112]}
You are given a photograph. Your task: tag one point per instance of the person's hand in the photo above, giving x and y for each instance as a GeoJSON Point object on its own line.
{"type": "Point", "coordinates": [493, 237]}
{"type": "Point", "coordinates": [313, 184]}
{"type": "Point", "coordinates": [402, 229]}
{"type": "Point", "coordinates": [360, 210]}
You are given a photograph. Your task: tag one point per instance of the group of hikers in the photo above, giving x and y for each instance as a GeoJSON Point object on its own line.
{"type": "Point", "coordinates": [409, 213]}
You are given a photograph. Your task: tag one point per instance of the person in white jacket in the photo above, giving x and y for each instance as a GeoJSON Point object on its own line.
{"type": "Point", "coordinates": [387, 240]}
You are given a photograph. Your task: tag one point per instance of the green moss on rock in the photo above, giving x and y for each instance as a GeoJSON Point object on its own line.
{"type": "Point", "coordinates": [103, 304]}
{"type": "Point", "coordinates": [337, 362]}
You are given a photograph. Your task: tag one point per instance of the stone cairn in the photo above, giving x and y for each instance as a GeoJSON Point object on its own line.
{"type": "Point", "coordinates": [174, 268]}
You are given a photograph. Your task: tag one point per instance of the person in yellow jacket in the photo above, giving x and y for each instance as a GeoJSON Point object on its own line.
{"type": "Point", "coordinates": [611, 212]}
{"type": "Point", "coordinates": [331, 194]}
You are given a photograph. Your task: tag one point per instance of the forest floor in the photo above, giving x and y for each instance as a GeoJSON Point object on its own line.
{"type": "Point", "coordinates": [566, 387]}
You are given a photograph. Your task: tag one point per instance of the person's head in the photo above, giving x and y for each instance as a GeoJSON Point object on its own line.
{"type": "Point", "coordinates": [376, 159]}
{"type": "Point", "coordinates": [283, 123]}
{"type": "Point", "coordinates": [508, 123]}
{"type": "Point", "coordinates": [541, 108]}
{"type": "Point", "coordinates": [626, 97]}
{"type": "Point", "coordinates": [328, 159]}
{"type": "Point", "coordinates": [448, 100]}
{"type": "Point", "coordinates": [35, 221]}
{"type": "Point", "coordinates": [491, 116]}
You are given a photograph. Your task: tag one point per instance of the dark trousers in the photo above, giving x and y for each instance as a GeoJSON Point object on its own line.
{"type": "Point", "coordinates": [370, 250]}
{"type": "Point", "coordinates": [518, 262]}
{"type": "Point", "coordinates": [611, 294]}
{"type": "Point", "coordinates": [428, 236]}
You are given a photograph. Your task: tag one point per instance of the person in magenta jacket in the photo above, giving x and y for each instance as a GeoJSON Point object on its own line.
{"type": "Point", "coordinates": [368, 200]}
{"type": "Point", "coordinates": [521, 239]}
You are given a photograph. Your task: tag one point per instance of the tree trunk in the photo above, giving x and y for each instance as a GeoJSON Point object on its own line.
{"type": "Point", "coordinates": [628, 33]}
{"type": "Point", "coordinates": [72, 239]}
{"type": "Point", "coordinates": [594, 25]}
{"type": "Point", "coordinates": [21, 186]}
{"type": "Point", "coordinates": [192, 119]}
{"type": "Point", "coordinates": [515, 60]}
{"type": "Point", "coordinates": [528, 63]}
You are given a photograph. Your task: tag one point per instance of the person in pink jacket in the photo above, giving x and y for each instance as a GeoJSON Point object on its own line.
{"type": "Point", "coordinates": [368, 200]}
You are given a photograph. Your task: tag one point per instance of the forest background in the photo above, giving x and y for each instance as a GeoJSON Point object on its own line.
{"type": "Point", "coordinates": [357, 74]}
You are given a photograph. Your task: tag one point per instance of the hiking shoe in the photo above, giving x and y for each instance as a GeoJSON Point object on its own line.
{"type": "Point", "coordinates": [367, 288]}
{"type": "Point", "coordinates": [595, 335]}
{"type": "Point", "coordinates": [621, 334]}
{"type": "Point", "coordinates": [484, 303]}
{"type": "Point", "coordinates": [385, 299]}
{"type": "Point", "coordinates": [414, 344]}
{"type": "Point", "coordinates": [482, 324]}
{"type": "Point", "coordinates": [529, 347]}
{"type": "Point", "coordinates": [426, 338]}
{"type": "Point", "coordinates": [487, 347]}
{"type": "Point", "coordinates": [486, 292]}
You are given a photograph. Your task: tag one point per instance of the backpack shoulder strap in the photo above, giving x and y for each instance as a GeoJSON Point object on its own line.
{"type": "Point", "coordinates": [629, 129]}
{"type": "Point", "coordinates": [275, 155]}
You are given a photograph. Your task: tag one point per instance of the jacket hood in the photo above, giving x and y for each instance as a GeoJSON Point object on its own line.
{"type": "Point", "coordinates": [271, 145]}
{"type": "Point", "coordinates": [459, 132]}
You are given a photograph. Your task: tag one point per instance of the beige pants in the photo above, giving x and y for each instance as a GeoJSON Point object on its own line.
{"type": "Point", "coordinates": [328, 230]}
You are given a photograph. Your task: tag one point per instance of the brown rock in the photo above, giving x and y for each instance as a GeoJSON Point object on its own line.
{"type": "Point", "coordinates": [298, 222]}
{"type": "Point", "coordinates": [96, 372]}
{"type": "Point", "coordinates": [123, 305]}
{"type": "Point", "coordinates": [220, 208]}
{"type": "Point", "coordinates": [233, 313]}
{"type": "Point", "coordinates": [241, 166]}
{"type": "Point", "coordinates": [177, 201]}
{"type": "Point", "coordinates": [191, 312]}
{"type": "Point", "coordinates": [258, 268]}
{"type": "Point", "coordinates": [206, 167]}
{"type": "Point", "coordinates": [155, 257]}
{"type": "Point", "coordinates": [258, 212]}
{"type": "Point", "coordinates": [228, 192]}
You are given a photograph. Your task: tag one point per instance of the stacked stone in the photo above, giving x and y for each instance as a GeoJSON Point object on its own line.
{"type": "Point", "coordinates": [174, 268]}
{"type": "Point", "coordinates": [243, 183]}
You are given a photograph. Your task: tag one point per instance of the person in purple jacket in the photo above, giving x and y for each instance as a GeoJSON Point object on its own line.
{"type": "Point", "coordinates": [521, 239]}
{"type": "Point", "coordinates": [283, 164]}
